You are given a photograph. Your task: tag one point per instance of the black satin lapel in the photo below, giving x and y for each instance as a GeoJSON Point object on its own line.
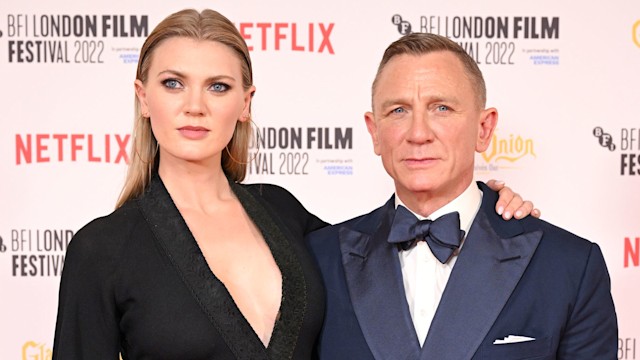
{"type": "Point", "coordinates": [374, 279]}
{"type": "Point", "coordinates": [175, 238]}
{"type": "Point", "coordinates": [483, 278]}
{"type": "Point", "coordinates": [294, 296]}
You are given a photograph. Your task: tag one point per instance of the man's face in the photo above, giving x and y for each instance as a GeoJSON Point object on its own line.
{"type": "Point", "coordinates": [427, 124]}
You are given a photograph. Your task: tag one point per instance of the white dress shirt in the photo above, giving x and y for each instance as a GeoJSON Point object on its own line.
{"type": "Point", "coordinates": [423, 275]}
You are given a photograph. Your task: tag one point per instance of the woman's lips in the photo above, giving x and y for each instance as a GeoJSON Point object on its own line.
{"type": "Point", "coordinates": [193, 132]}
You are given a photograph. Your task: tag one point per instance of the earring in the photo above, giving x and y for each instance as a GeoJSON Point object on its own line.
{"type": "Point", "coordinates": [234, 159]}
{"type": "Point", "coordinates": [251, 158]}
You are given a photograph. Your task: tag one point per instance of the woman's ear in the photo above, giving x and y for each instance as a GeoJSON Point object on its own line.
{"type": "Point", "coordinates": [141, 94]}
{"type": "Point", "coordinates": [246, 110]}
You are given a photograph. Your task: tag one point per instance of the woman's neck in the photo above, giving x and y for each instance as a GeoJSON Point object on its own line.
{"type": "Point", "coordinates": [195, 186]}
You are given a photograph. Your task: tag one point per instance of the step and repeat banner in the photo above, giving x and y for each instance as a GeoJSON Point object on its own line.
{"type": "Point", "coordinates": [564, 78]}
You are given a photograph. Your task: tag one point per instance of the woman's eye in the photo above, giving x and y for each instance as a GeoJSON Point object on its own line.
{"type": "Point", "coordinates": [219, 87]}
{"type": "Point", "coordinates": [172, 84]}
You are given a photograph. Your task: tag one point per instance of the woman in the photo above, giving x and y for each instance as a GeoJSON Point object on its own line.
{"type": "Point", "coordinates": [191, 264]}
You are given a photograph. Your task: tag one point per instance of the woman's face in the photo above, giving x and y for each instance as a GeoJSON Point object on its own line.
{"type": "Point", "coordinates": [194, 97]}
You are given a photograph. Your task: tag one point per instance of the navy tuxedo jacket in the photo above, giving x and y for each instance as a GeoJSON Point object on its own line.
{"type": "Point", "coordinates": [518, 277]}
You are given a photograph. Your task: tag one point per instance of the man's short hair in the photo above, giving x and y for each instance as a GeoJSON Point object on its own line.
{"type": "Point", "coordinates": [424, 43]}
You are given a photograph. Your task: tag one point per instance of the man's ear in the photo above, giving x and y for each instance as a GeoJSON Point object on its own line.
{"type": "Point", "coordinates": [141, 94]}
{"type": "Point", "coordinates": [486, 126]}
{"type": "Point", "coordinates": [372, 127]}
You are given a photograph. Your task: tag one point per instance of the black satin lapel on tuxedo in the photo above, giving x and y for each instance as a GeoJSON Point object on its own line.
{"type": "Point", "coordinates": [483, 278]}
{"type": "Point", "coordinates": [174, 237]}
{"type": "Point", "coordinates": [374, 280]}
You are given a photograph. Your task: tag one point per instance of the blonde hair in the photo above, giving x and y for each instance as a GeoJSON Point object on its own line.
{"type": "Point", "coordinates": [425, 43]}
{"type": "Point", "coordinates": [208, 25]}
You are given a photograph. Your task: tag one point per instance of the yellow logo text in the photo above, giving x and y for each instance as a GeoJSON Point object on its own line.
{"type": "Point", "coordinates": [34, 351]}
{"type": "Point", "coordinates": [511, 149]}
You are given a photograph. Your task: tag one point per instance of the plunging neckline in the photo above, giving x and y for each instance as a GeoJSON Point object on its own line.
{"type": "Point", "coordinates": [177, 242]}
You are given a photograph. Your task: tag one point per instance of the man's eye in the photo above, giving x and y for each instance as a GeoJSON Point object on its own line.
{"type": "Point", "coordinates": [442, 108]}
{"type": "Point", "coordinates": [219, 87]}
{"type": "Point", "coordinates": [172, 84]}
{"type": "Point", "coordinates": [398, 110]}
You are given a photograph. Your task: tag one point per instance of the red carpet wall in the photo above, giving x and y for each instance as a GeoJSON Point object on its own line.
{"type": "Point", "coordinates": [564, 77]}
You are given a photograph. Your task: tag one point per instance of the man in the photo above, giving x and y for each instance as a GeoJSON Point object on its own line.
{"type": "Point", "coordinates": [517, 289]}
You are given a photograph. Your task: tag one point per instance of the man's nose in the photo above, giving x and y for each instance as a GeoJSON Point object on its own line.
{"type": "Point", "coordinates": [420, 130]}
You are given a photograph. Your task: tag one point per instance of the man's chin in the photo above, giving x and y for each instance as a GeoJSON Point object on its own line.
{"type": "Point", "coordinates": [420, 186]}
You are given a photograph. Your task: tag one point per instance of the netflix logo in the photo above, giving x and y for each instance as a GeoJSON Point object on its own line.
{"type": "Point", "coordinates": [631, 252]}
{"type": "Point", "coordinates": [45, 148]}
{"type": "Point", "coordinates": [280, 36]}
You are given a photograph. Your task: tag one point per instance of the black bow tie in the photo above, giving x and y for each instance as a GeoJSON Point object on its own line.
{"type": "Point", "coordinates": [443, 235]}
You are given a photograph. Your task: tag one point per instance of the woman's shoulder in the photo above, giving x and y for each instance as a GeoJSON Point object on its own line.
{"type": "Point", "coordinates": [285, 205]}
{"type": "Point", "coordinates": [107, 234]}
{"type": "Point", "coordinates": [273, 194]}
